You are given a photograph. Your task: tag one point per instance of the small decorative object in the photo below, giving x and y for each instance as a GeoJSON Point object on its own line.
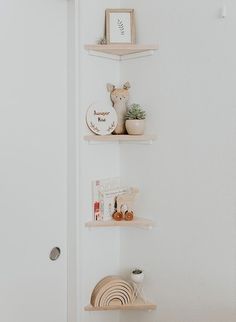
{"type": "Point", "coordinates": [102, 41]}
{"type": "Point", "coordinates": [112, 291]}
{"type": "Point", "coordinates": [120, 26]}
{"type": "Point", "coordinates": [125, 201]}
{"type": "Point", "coordinates": [135, 120]}
{"type": "Point", "coordinates": [101, 119]}
{"type": "Point", "coordinates": [108, 201]}
{"type": "Point", "coordinates": [104, 194]}
{"type": "Point", "coordinates": [119, 98]}
{"type": "Point", "coordinates": [137, 277]}
{"type": "Point", "coordinates": [118, 216]}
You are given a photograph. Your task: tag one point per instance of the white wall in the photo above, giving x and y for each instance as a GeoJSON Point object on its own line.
{"type": "Point", "coordinates": [98, 250]}
{"type": "Point", "coordinates": [187, 178]}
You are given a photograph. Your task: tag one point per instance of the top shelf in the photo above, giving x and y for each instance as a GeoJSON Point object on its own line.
{"type": "Point", "coordinates": [121, 51]}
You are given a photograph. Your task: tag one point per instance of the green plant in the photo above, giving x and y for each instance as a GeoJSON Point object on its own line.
{"type": "Point", "coordinates": [137, 271]}
{"type": "Point", "coordinates": [135, 112]}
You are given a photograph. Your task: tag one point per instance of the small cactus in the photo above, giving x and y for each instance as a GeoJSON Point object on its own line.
{"type": "Point", "coordinates": [135, 112]}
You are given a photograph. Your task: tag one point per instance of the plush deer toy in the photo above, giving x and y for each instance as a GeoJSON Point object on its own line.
{"type": "Point", "coordinates": [119, 98]}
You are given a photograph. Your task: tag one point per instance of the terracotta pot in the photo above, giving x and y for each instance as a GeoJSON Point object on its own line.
{"type": "Point", "coordinates": [135, 127]}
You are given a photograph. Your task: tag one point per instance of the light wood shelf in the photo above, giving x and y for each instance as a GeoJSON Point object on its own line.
{"type": "Point", "coordinates": [135, 306]}
{"type": "Point", "coordinates": [120, 138]}
{"type": "Point", "coordinates": [137, 222]}
{"type": "Point", "coordinates": [121, 51]}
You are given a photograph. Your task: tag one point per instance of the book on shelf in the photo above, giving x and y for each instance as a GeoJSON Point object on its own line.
{"type": "Point", "coordinates": [105, 192]}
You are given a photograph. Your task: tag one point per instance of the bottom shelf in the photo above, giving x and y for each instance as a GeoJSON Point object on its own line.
{"type": "Point", "coordinates": [138, 305]}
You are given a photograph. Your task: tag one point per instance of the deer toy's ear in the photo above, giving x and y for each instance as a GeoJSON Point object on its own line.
{"type": "Point", "coordinates": [126, 85]}
{"type": "Point", "coordinates": [110, 88]}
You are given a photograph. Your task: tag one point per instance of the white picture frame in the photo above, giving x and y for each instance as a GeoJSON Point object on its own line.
{"type": "Point", "coordinates": [120, 26]}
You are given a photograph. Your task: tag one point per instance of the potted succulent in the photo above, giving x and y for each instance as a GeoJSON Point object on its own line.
{"type": "Point", "coordinates": [135, 120]}
{"type": "Point", "coordinates": [137, 276]}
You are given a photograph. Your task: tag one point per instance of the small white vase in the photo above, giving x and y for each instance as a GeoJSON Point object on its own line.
{"type": "Point", "coordinates": [137, 278]}
{"type": "Point", "coordinates": [135, 127]}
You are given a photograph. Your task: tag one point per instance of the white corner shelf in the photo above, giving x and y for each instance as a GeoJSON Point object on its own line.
{"type": "Point", "coordinates": [121, 51]}
{"type": "Point", "coordinates": [137, 222]}
{"type": "Point", "coordinates": [138, 305]}
{"type": "Point", "coordinates": [147, 138]}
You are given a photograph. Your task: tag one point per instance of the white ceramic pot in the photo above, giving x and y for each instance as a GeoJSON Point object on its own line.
{"type": "Point", "coordinates": [137, 278]}
{"type": "Point", "coordinates": [135, 127]}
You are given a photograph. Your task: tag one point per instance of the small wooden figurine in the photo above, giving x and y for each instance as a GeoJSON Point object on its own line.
{"type": "Point", "coordinates": [125, 201]}
{"type": "Point", "coordinates": [119, 98]}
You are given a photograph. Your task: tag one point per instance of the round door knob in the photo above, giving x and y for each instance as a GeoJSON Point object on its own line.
{"type": "Point", "coordinates": [55, 253]}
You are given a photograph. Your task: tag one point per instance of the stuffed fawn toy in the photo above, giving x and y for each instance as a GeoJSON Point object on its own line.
{"type": "Point", "coordinates": [119, 98]}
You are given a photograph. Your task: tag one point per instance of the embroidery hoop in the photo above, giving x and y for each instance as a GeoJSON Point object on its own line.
{"type": "Point", "coordinates": [101, 118]}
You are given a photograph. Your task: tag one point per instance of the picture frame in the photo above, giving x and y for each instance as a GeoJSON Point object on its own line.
{"type": "Point", "coordinates": [120, 26]}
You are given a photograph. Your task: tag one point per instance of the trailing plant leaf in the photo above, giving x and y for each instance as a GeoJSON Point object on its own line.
{"type": "Point", "coordinates": [135, 112]}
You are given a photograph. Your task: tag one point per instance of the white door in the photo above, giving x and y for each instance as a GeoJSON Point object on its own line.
{"type": "Point", "coordinates": [33, 160]}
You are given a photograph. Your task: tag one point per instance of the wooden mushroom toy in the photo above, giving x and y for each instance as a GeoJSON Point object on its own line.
{"type": "Point", "coordinates": [125, 200]}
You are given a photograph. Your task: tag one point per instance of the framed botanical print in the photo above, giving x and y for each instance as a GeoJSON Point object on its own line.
{"type": "Point", "coordinates": [120, 26]}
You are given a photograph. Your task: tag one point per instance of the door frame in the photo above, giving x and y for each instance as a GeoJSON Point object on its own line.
{"type": "Point", "coordinates": [73, 156]}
